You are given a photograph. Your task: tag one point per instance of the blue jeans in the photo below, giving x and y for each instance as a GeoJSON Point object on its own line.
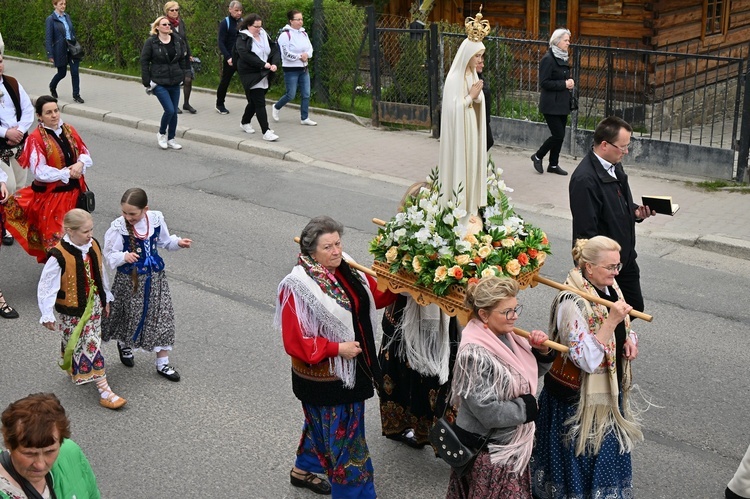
{"type": "Point", "coordinates": [169, 98]}
{"type": "Point", "coordinates": [292, 79]}
{"type": "Point", "coordinates": [62, 71]}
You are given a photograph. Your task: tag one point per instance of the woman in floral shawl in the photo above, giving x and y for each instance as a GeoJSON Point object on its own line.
{"type": "Point", "coordinates": [586, 429]}
{"type": "Point", "coordinates": [58, 158]}
{"type": "Point", "coordinates": [327, 315]}
{"type": "Point", "coordinates": [494, 386]}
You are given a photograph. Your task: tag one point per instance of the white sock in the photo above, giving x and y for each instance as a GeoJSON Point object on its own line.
{"type": "Point", "coordinates": [161, 362]}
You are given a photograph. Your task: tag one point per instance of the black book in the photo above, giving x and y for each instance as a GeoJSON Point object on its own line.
{"type": "Point", "coordinates": [661, 204]}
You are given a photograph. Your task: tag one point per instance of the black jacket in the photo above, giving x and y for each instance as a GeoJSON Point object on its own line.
{"type": "Point", "coordinates": [487, 114]}
{"type": "Point", "coordinates": [157, 66]}
{"type": "Point", "coordinates": [250, 66]}
{"type": "Point", "coordinates": [228, 35]}
{"type": "Point", "coordinates": [602, 205]}
{"type": "Point", "coordinates": [554, 97]}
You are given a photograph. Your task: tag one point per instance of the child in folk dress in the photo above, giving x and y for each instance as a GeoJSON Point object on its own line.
{"type": "Point", "coordinates": [142, 317]}
{"type": "Point", "coordinates": [73, 284]}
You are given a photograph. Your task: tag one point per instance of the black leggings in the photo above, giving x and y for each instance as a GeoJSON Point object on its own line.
{"type": "Point", "coordinates": [553, 144]}
{"type": "Point", "coordinates": [256, 106]}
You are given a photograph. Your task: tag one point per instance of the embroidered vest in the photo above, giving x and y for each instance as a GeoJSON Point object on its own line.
{"type": "Point", "coordinates": [148, 254]}
{"type": "Point", "coordinates": [73, 295]}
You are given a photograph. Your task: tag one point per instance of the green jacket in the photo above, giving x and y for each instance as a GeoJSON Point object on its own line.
{"type": "Point", "coordinates": [72, 476]}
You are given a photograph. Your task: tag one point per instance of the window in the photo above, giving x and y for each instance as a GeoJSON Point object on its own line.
{"type": "Point", "coordinates": [715, 17]}
{"type": "Point", "coordinates": [553, 14]}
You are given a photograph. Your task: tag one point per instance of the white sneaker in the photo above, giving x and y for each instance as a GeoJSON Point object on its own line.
{"type": "Point", "coordinates": [173, 145]}
{"type": "Point", "coordinates": [274, 113]}
{"type": "Point", "coordinates": [162, 140]}
{"type": "Point", "coordinates": [308, 122]}
{"type": "Point", "coordinates": [270, 136]}
{"type": "Point", "coordinates": [248, 128]}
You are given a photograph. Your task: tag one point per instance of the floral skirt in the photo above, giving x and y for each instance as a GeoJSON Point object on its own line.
{"type": "Point", "coordinates": [36, 218]}
{"type": "Point", "coordinates": [333, 442]}
{"type": "Point", "coordinates": [88, 361]}
{"type": "Point", "coordinates": [556, 471]}
{"type": "Point", "coordinates": [489, 481]}
{"type": "Point", "coordinates": [146, 311]}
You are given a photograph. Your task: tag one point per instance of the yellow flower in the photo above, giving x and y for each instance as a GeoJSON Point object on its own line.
{"type": "Point", "coordinates": [406, 258]}
{"type": "Point", "coordinates": [416, 264]}
{"type": "Point", "coordinates": [391, 254]}
{"type": "Point", "coordinates": [487, 239]}
{"type": "Point", "coordinates": [488, 272]}
{"type": "Point", "coordinates": [540, 257]}
{"type": "Point", "coordinates": [513, 267]}
{"type": "Point", "coordinates": [441, 273]}
{"type": "Point", "coordinates": [484, 251]}
{"type": "Point", "coordinates": [471, 239]}
{"type": "Point", "coordinates": [463, 259]}
{"type": "Point", "coordinates": [508, 242]}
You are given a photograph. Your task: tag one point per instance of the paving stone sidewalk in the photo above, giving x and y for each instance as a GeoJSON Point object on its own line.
{"type": "Point", "coordinates": [713, 221]}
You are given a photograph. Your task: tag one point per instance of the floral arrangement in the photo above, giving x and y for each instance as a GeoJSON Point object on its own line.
{"type": "Point", "coordinates": [429, 240]}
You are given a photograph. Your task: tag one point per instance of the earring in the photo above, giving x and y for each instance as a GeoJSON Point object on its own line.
{"type": "Point", "coordinates": [485, 326]}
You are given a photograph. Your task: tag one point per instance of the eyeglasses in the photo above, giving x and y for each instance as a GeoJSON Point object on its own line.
{"type": "Point", "coordinates": [510, 311]}
{"type": "Point", "coordinates": [257, 27]}
{"type": "Point", "coordinates": [623, 149]}
{"type": "Point", "coordinates": [615, 267]}
{"type": "Point", "coordinates": [164, 24]}
{"type": "Point", "coordinates": [297, 19]}
{"type": "Point", "coordinates": [174, 10]}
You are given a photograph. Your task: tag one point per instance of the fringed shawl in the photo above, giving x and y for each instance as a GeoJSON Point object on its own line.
{"type": "Point", "coordinates": [486, 369]}
{"type": "Point", "coordinates": [598, 412]}
{"type": "Point", "coordinates": [425, 339]}
{"type": "Point", "coordinates": [323, 314]}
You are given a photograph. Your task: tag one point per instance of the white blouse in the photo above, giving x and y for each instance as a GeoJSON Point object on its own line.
{"type": "Point", "coordinates": [49, 283]}
{"type": "Point", "coordinates": [113, 243]}
{"type": "Point", "coordinates": [45, 173]}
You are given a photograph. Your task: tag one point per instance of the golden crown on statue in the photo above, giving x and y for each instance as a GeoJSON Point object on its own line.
{"type": "Point", "coordinates": [477, 28]}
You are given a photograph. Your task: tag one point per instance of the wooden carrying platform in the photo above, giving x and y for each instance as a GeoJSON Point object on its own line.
{"type": "Point", "coordinates": [452, 303]}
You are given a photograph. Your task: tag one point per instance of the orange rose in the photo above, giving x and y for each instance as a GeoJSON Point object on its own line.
{"type": "Point", "coordinates": [523, 259]}
{"type": "Point", "coordinates": [473, 280]}
{"type": "Point", "coordinates": [532, 252]}
{"type": "Point", "coordinates": [456, 272]}
{"type": "Point", "coordinates": [496, 244]}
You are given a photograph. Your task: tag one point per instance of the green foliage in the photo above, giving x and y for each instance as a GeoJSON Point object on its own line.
{"type": "Point", "coordinates": [409, 80]}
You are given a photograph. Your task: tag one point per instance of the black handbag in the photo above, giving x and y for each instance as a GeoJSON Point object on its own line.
{"type": "Point", "coordinates": [86, 201]}
{"type": "Point", "coordinates": [460, 455]}
{"type": "Point", "coordinates": [573, 101]}
{"type": "Point", "coordinates": [75, 51]}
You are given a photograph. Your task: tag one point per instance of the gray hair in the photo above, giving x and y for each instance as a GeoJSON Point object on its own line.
{"type": "Point", "coordinates": [557, 36]}
{"type": "Point", "coordinates": [308, 240]}
{"type": "Point", "coordinates": [234, 4]}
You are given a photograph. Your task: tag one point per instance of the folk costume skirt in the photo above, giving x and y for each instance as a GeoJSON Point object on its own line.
{"type": "Point", "coordinates": [333, 442]}
{"type": "Point", "coordinates": [88, 361]}
{"type": "Point", "coordinates": [35, 219]}
{"type": "Point", "coordinates": [489, 481]}
{"type": "Point", "coordinates": [141, 318]}
{"type": "Point", "coordinates": [556, 471]}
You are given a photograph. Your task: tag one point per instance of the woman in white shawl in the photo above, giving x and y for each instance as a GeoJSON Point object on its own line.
{"type": "Point", "coordinates": [463, 127]}
{"type": "Point", "coordinates": [494, 386]}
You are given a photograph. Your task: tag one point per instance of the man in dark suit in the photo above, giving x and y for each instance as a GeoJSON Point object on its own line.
{"type": "Point", "coordinates": [227, 38]}
{"type": "Point", "coordinates": [602, 205]}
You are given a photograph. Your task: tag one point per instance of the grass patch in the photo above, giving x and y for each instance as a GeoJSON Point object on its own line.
{"type": "Point", "coordinates": [720, 185]}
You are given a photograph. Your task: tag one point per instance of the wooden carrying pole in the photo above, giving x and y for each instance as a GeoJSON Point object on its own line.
{"type": "Point", "coordinates": [601, 301]}
{"type": "Point", "coordinates": [520, 332]}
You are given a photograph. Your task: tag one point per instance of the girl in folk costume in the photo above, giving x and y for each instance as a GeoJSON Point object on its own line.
{"type": "Point", "coordinates": [58, 158]}
{"type": "Point", "coordinates": [586, 428]}
{"type": "Point", "coordinates": [463, 128]}
{"type": "Point", "coordinates": [6, 311]}
{"type": "Point", "coordinates": [327, 315]}
{"type": "Point", "coordinates": [73, 284]}
{"type": "Point", "coordinates": [142, 316]}
{"type": "Point", "coordinates": [494, 384]}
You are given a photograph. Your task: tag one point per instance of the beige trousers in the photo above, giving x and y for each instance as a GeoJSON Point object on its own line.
{"type": "Point", "coordinates": [740, 484]}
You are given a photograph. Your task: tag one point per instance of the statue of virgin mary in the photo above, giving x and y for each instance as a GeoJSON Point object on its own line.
{"type": "Point", "coordinates": [463, 129]}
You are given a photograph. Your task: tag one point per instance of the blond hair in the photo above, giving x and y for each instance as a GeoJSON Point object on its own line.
{"type": "Point", "coordinates": [75, 218]}
{"type": "Point", "coordinates": [590, 250]}
{"type": "Point", "coordinates": [485, 294]}
{"type": "Point", "coordinates": [170, 5]}
{"type": "Point", "coordinates": [155, 25]}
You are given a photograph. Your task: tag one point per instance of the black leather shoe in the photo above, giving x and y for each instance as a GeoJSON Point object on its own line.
{"type": "Point", "coordinates": [556, 169]}
{"type": "Point", "coordinates": [78, 99]}
{"type": "Point", "coordinates": [406, 437]}
{"type": "Point", "coordinates": [53, 92]}
{"type": "Point", "coordinates": [6, 311]}
{"type": "Point", "coordinates": [169, 373]}
{"type": "Point", "coordinates": [126, 355]}
{"type": "Point", "coordinates": [190, 109]}
{"type": "Point", "coordinates": [537, 164]}
{"type": "Point", "coordinates": [307, 480]}
{"type": "Point", "coordinates": [179, 111]}
{"type": "Point", "coordinates": [7, 239]}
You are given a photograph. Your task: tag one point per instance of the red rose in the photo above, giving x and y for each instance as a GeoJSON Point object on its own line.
{"type": "Point", "coordinates": [544, 240]}
{"type": "Point", "coordinates": [532, 252]}
{"type": "Point", "coordinates": [458, 274]}
{"type": "Point", "coordinates": [523, 259]}
{"type": "Point", "coordinates": [473, 280]}
{"type": "Point", "coordinates": [477, 260]}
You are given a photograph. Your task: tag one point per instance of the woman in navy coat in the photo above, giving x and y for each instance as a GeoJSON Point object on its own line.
{"type": "Point", "coordinates": [58, 30]}
{"type": "Point", "coordinates": [554, 99]}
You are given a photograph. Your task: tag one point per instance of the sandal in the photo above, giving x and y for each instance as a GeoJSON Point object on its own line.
{"type": "Point", "coordinates": [6, 310]}
{"type": "Point", "coordinates": [112, 401]}
{"type": "Point", "coordinates": [308, 481]}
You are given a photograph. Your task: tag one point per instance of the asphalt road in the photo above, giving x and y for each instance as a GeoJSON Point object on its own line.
{"type": "Point", "coordinates": [230, 428]}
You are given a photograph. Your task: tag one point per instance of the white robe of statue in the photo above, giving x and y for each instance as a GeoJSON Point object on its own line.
{"type": "Point", "coordinates": [463, 129]}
